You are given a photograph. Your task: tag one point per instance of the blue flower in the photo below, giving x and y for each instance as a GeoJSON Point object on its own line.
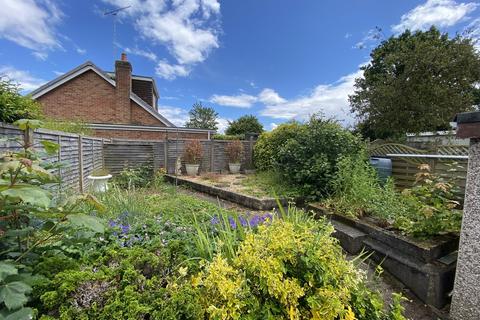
{"type": "Point", "coordinates": [243, 221]}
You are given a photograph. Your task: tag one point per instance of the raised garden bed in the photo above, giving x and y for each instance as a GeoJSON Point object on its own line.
{"type": "Point", "coordinates": [426, 267]}
{"type": "Point", "coordinates": [224, 191]}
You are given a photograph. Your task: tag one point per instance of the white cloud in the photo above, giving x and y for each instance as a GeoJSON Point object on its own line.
{"type": "Point", "coordinates": [273, 126]}
{"type": "Point", "coordinates": [40, 55]}
{"type": "Point", "coordinates": [266, 96]}
{"type": "Point", "coordinates": [176, 115]}
{"type": "Point", "coordinates": [441, 13]}
{"type": "Point", "coordinates": [80, 51]}
{"type": "Point", "coordinates": [169, 71]}
{"type": "Point", "coordinates": [142, 53]}
{"type": "Point", "coordinates": [189, 29]}
{"type": "Point", "coordinates": [270, 97]}
{"type": "Point", "coordinates": [223, 124]}
{"type": "Point", "coordinates": [331, 100]}
{"type": "Point", "coordinates": [473, 31]}
{"type": "Point", "coordinates": [240, 101]}
{"type": "Point", "coordinates": [179, 116]}
{"type": "Point", "coordinates": [26, 81]}
{"type": "Point", "coordinates": [370, 39]}
{"type": "Point", "coordinates": [30, 24]}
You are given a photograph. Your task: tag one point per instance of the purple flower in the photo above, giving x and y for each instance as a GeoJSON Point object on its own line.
{"type": "Point", "coordinates": [112, 223]}
{"type": "Point", "coordinates": [125, 228]}
{"type": "Point", "coordinates": [243, 221]}
{"type": "Point", "coordinates": [232, 222]}
{"type": "Point", "coordinates": [214, 220]}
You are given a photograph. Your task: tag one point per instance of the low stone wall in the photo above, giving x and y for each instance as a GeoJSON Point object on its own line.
{"type": "Point", "coordinates": [427, 267]}
{"type": "Point", "coordinates": [241, 199]}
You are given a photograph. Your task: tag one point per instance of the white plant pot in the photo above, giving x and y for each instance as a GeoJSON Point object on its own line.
{"type": "Point", "coordinates": [234, 167]}
{"type": "Point", "coordinates": [192, 169]}
{"type": "Point", "coordinates": [99, 183]}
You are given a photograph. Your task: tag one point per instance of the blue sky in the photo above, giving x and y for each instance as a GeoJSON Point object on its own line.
{"type": "Point", "coordinates": [275, 59]}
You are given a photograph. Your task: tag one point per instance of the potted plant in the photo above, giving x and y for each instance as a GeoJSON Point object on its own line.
{"type": "Point", "coordinates": [99, 180]}
{"type": "Point", "coordinates": [192, 156]}
{"type": "Point", "coordinates": [234, 151]}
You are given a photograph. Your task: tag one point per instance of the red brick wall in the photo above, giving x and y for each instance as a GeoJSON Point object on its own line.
{"type": "Point", "coordinates": [90, 98]}
{"type": "Point", "coordinates": [87, 97]}
{"type": "Point", "coordinates": [141, 117]}
{"type": "Point", "coordinates": [143, 89]}
{"type": "Point", "coordinates": [147, 135]}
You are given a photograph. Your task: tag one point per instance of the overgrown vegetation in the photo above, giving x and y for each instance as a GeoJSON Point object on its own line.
{"type": "Point", "coordinates": [427, 209]}
{"type": "Point", "coordinates": [193, 152]}
{"type": "Point", "coordinates": [78, 127]}
{"type": "Point", "coordinates": [306, 155]}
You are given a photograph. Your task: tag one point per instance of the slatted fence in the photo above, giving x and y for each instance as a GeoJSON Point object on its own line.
{"type": "Point", "coordinates": [405, 168]}
{"type": "Point", "coordinates": [120, 154]}
{"type": "Point", "coordinates": [79, 155]}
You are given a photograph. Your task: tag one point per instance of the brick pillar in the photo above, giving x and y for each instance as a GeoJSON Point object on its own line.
{"type": "Point", "coordinates": [466, 297]}
{"type": "Point", "coordinates": [123, 79]}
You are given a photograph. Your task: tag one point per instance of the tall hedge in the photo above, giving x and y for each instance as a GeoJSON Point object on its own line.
{"type": "Point", "coordinates": [306, 154]}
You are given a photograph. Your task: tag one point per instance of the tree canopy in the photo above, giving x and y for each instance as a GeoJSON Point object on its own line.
{"type": "Point", "coordinates": [202, 117]}
{"type": "Point", "coordinates": [243, 125]}
{"type": "Point", "coordinates": [416, 82]}
{"type": "Point", "coordinates": [14, 106]}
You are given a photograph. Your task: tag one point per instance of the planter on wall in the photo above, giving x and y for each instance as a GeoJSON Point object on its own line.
{"type": "Point", "coordinates": [426, 267]}
{"type": "Point", "coordinates": [99, 183]}
{"type": "Point", "coordinates": [192, 169]}
{"type": "Point", "coordinates": [234, 167]}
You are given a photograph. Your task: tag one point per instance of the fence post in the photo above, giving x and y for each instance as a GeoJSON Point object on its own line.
{"type": "Point", "coordinates": [28, 138]}
{"type": "Point", "coordinates": [250, 160]}
{"type": "Point", "coordinates": [212, 156]}
{"type": "Point", "coordinates": [465, 299]}
{"type": "Point", "coordinates": [165, 154]}
{"type": "Point", "coordinates": [80, 162]}
{"type": "Point", "coordinates": [59, 156]}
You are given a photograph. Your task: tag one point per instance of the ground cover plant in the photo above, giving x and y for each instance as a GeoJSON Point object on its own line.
{"type": "Point", "coordinates": [427, 209]}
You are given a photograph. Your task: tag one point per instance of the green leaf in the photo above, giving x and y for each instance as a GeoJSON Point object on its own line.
{"type": "Point", "coordinates": [7, 269]}
{"type": "Point", "coordinates": [25, 124]}
{"type": "Point", "coordinates": [50, 147]}
{"type": "Point", "coordinates": [89, 222]}
{"type": "Point", "coordinates": [22, 314]}
{"type": "Point", "coordinates": [13, 294]}
{"type": "Point", "coordinates": [29, 194]}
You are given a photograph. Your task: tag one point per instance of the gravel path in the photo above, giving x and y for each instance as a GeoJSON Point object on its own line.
{"type": "Point", "coordinates": [386, 283]}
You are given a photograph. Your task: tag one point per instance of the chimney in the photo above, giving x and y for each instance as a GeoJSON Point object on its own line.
{"type": "Point", "coordinates": [123, 79]}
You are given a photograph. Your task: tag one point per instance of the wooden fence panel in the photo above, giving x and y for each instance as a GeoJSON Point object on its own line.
{"type": "Point", "coordinates": [68, 154]}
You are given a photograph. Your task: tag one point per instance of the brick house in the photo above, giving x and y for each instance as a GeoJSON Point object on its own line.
{"type": "Point", "coordinates": [114, 104]}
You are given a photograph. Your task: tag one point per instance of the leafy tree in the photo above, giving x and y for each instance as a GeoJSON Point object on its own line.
{"type": "Point", "coordinates": [416, 82]}
{"type": "Point", "coordinates": [202, 117]}
{"type": "Point", "coordinates": [244, 124]}
{"type": "Point", "coordinates": [14, 106]}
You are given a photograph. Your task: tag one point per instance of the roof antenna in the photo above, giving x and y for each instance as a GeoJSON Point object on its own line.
{"type": "Point", "coordinates": [114, 13]}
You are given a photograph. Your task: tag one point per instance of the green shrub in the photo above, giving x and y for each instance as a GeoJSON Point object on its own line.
{"type": "Point", "coordinates": [14, 106]}
{"type": "Point", "coordinates": [310, 159]}
{"type": "Point", "coordinates": [136, 177]}
{"type": "Point", "coordinates": [427, 209]}
{"type": "Point", "coordinates": [287, 271]}
{"type": "Point", "coordinates": [268, 145]}
{"type": "Point", "coordinates": [243, 125]}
